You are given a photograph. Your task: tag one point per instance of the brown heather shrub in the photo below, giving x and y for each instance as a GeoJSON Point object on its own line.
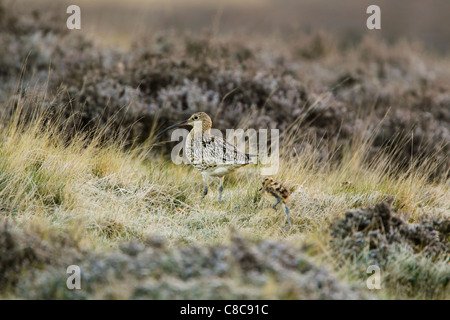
{"type": "Point", "coordinates": [242, 269]}
{"type": "Point", "coordinates": [379, 227]}
{"type": "Point", "coordinates": [413, 257]}
{"type": "Point", "coordinates": [22, 251]}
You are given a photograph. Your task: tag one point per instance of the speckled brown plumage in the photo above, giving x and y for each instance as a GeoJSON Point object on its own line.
{"type": "Point", "coordinates": [209, 154]}
{"type": "Point", "coordinates": [276, 193]}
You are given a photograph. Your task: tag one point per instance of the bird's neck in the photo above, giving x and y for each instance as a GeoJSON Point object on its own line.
{"type": "Point", "coordinates": [202, 131]}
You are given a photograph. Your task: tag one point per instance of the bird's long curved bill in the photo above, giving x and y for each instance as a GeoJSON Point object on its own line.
{"type": "Point", "coordinates": [173, 126]}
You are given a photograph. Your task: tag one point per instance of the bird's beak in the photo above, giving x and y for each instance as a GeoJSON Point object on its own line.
{"type": "Point", "coordinates": [260, 189]}
{"type": "Point", "coordinates": [179, 124]}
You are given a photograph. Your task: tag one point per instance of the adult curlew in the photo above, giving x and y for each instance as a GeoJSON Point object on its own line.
{"type": "Point", "coordinates": [209, 154]}
{"type": "Point", "coordinates": [275, 192]}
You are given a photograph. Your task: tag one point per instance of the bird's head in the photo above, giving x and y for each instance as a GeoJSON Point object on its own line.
{"type": "Point", "coordinates": [267, 181]}
{"type": "Point", "coordinates": [197, 120]}
{"type": "Point", "coordinates": [200, 118]}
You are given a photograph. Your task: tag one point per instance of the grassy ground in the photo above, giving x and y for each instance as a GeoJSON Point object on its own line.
{"type": "Point", "coordinates": [83, 180]}
{"type": "Point", "coordinates": [112, 194]}
{"type": "Point", "coordinates": [102, 195]}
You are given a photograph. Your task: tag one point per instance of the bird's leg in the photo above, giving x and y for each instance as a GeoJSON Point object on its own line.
{"type": "Point", "coordinates": [287, 213]}
{"type": "Point", "coordinates": [275, 205]}
{"type": "Point", "coordinates": [205, 188]}
{"type": "Point", "coordinates": [221, 188]}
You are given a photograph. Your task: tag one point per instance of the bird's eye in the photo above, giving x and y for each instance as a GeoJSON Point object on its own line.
{"type": "Point", "coordinates": [195, 118]}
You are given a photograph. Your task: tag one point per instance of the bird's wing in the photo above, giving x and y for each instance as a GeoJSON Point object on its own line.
{"type": "Point", "coordinates": [228, 151]}
{"type": "Point", "coordinates": [278, 190]}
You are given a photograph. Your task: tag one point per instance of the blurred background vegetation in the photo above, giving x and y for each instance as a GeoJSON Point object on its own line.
{"type": "Point", "coordinates": [119, 23]}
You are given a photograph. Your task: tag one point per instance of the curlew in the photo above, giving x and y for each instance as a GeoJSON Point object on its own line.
{"type": "Point", "coordinates": [275, 192]}
{"type": "Point", "coordinates": [209, 154]}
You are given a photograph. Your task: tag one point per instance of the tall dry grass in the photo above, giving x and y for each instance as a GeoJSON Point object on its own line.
{"type": "Point", "coordinates": [101, 192]}
{"type": "Point", "coordinates": [107, 193]}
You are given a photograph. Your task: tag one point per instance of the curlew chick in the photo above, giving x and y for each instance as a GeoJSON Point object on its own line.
{"type": "Point", "coordinates": [275, 192]}
{"type": "Point", "coordinates": [209, 154]}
